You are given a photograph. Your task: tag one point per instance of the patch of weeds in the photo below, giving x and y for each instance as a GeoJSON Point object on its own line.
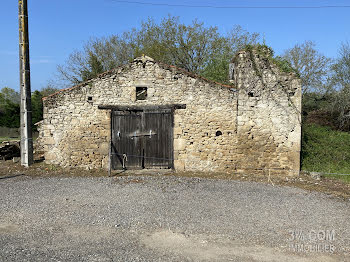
{"type": "Point", "coordinates": [326, 150]}
{"type": "Point", "coordinates": [2, 139]}
{"type": "Point", "coordinates": [283, 65]}
{"type": "Point", "coordinates": [52, 167]}
{"type": "Point", "coordinates": [268, 53]}
{"type": "Point", "coordinates": [345, 179]}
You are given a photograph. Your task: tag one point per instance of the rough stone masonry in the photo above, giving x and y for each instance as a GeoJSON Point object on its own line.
{"type": "Point", "coordinates": [253, 125]}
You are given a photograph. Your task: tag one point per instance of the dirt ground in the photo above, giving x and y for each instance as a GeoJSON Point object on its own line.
{"type": "Point", "coordinates": [53, 214]}
{"type": "Point", "coordinates": [329, 186]}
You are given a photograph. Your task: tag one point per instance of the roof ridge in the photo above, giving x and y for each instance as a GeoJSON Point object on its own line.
{"type": "Point", "coordinates": [108, 72]}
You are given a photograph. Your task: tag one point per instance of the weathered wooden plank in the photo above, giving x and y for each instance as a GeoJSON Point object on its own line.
{"type": "Point", "coordinates": [157, 150]}
{"type": "Point", "coordinates": [142, 108]}
{"type": "Point", "coordinates": [145, 138]}
{"type": "Point", "coordinates": [125, 149]}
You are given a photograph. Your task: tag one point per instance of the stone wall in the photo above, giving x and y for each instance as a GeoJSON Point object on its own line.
{"type": "Point", "coordinates": [269, 115]}
{"type": "Point", "coordinates": [223, 128]}
{"type": "Point", "coordinates": [77, 133]}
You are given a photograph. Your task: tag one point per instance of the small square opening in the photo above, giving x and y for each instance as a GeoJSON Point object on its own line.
{"type": "Point", "coordinates": [141, 93]}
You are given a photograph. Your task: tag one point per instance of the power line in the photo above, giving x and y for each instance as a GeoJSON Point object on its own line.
{"type": "Point", "coordinates": [233, 7]}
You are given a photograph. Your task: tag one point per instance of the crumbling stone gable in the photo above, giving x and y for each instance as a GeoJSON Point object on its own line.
{"type": "Point", "coordinates": [269, 114]}
{"type": "Point", "coordinates": [223, 128]}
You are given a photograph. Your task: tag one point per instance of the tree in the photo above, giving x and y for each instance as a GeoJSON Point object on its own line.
{"type": "Point", "coordinates": [2, 104]}
{"type": "Point", "coordinates": [218, 66]}
{"type": "Point", "coordinates": [37, 107]}
{"type": "Point", "coordinates": [340, 80]}
{"type": "Point", "coordinates": [193, 47]}
{"type": "Point", "coordinates": [94, 68]}
{"type": "Point", "coordinates": [187, 46]}
{"type": "Point", "coordinates": [48, 90]}
{"type": "Point", "coordinates": [10, 116]}
{"type": "Point", "coordinates": [9, 108]}
{"type": "Point", "coordinates": [312, 66]}
{"type": "Point", "coordinates": [341, 69]}
{"type": "Point", "coordinates": [37, 103]}
{"type": "Point", "coordinates": [11, 95]}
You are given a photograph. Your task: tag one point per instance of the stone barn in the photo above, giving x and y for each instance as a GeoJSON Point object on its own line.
{"type": "Point", "coordinates": [148, 114]}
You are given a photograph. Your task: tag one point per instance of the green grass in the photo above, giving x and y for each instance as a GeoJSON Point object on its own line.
{"type": "Point", "coordinates": [2, 138]}
{"type": "Point", "coordinates": [343, 178]}
{"type": "Point", "coordinates": [326, 150]}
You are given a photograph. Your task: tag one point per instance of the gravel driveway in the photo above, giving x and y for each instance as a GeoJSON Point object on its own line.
{"type": "Point", "coordinates": [166, 218]}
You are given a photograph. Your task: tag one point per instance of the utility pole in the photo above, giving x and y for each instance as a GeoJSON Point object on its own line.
{"type": "Point", "coordinates": [26, 105]}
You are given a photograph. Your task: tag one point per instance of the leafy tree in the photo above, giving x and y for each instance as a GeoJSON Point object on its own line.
{"type": "Point", "coordinates": [11, 115]}
{"type": "Point", "coordinates": [312, 66]}
{"type": "Point", "coordinates": [2, 105]}
{"type": "Point", "coordinates": [11, 95]}
{"type": "Point", "coordinates": [194, 47]}
{"type": "Point", "coordinates": [95, 68]}
{"type": "Point", "coordinates": [48, 90]}
{"type": "Point", "coordinates": [9, 108]}
{"type": "Point", "coordinates": [340, 81]}
{"type": "Point", "coordinates": [341, 69]}
{"type": "Point", "coordinates": [218, 66]}
{"type": "Point", "coordinates": [37, 103]}
{"type": "Point", "coordinates": [37, 107]}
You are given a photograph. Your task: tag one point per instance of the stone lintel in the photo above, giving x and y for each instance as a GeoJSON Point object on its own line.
{"type": "Point", "coordinates": [143, 107]}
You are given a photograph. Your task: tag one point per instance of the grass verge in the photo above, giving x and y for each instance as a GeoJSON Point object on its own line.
{"type": "Point", "coordinates": [345, 179]}
{"type": "Point", "coordinates": [2, 138]}
{"type": "Point", "coordinates": [326, 150]}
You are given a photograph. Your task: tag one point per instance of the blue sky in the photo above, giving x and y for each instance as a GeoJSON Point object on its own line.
{"type": "Point", "coordinates": [59, 27]}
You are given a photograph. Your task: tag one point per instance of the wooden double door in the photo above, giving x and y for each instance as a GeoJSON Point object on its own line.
{"type": "Point", "coordinates": [142, 139]}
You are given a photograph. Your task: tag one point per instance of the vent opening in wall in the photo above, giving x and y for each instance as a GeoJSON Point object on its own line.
{"type": "Point", "coordinates": [141, 93]}
{"type": "Point", "coordinates": [250, 94]}
{"type": "Point", "coordinates": [218, 133]}
{"type": "Point", "coordinates": [89, 98]}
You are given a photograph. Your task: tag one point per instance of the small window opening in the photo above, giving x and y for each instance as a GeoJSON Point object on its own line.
{"type": "Point", "coordinates": [89, 98]}
{"type": "Point", "coordinates": [250, 94]}
{"type": "Point", "coordinates": [218, 133]}
{"type": "Point", "coordinates": [141, 93]}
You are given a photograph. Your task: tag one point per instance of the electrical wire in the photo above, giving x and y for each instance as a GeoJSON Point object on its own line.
{"type": "Point", "coordinates": [233, 7]}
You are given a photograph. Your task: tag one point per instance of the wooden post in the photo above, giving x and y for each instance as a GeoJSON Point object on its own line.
{"type": "Point", "coordinates": [110, 147]}
{"type": "Point", "coordinates": [26, 106]}
{"type": "Point", "coordinates": [110, 159]}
